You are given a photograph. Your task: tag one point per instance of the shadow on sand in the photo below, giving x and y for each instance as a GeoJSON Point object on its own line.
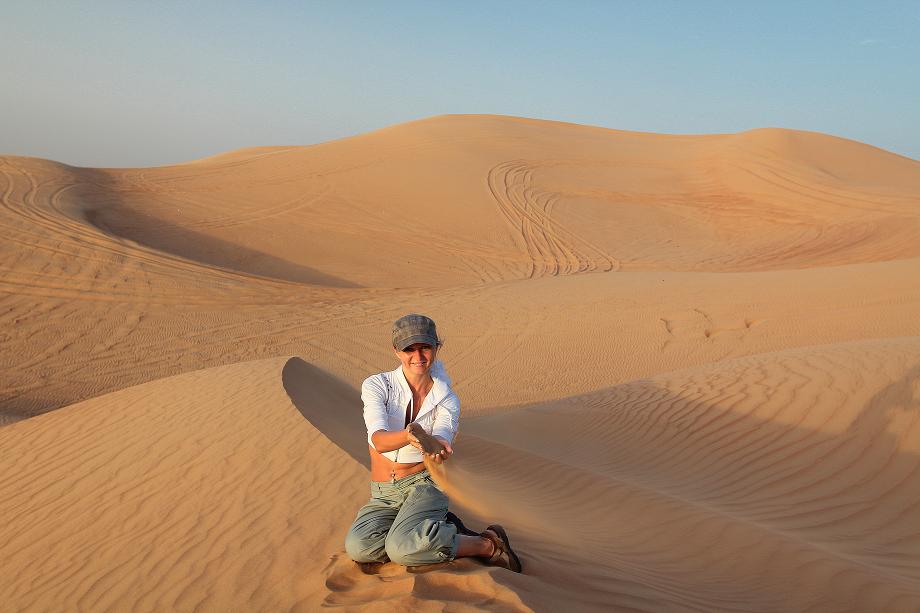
{"type": "Point", "coordinates": [332, 406]}
{"type": "Point", "coordinates": [102, 205]}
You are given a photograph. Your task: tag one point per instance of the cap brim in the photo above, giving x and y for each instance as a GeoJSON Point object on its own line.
{"type": "Point", "coordinates": [420, 338]}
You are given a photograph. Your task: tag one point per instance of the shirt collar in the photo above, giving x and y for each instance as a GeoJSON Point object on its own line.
{"type": "Point", "coordinates": [441, 386]}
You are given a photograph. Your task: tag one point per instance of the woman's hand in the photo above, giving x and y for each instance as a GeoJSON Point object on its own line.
{"type": "Point", "coordinates": [433, 447]}
{"type": "Point", "coordinates": [446, 451]}
{"type": "Point", "coordinates": [413, 439]}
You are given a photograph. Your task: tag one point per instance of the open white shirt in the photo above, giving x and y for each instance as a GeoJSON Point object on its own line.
{"type": "Point", "coordinates": [386, 398]}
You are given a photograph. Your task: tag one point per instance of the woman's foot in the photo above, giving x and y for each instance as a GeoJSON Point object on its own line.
{"type": "Point", "coordinates": [502, 554]}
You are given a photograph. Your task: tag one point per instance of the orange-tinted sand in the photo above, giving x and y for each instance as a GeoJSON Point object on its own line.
{"type": "Point", "coordinates": [689, 368]}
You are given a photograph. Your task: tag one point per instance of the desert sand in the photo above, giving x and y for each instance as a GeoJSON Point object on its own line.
{"type": "Point", "coordinates": [689, 369]}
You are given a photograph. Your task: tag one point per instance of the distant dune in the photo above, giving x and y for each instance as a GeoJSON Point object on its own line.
{"type": "Point", "coordinates": [689, 368]}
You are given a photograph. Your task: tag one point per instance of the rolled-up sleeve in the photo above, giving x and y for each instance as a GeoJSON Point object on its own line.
{"type": "Point", "coordinates": [373, 394]}
{"type": "Point", "coordinates": [447, 418]}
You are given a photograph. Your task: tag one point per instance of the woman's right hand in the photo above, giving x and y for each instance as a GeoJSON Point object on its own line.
{"type": "Point", "coordinates": [424, 442]}
{"type": "Point", "coordinates": [413, 440]}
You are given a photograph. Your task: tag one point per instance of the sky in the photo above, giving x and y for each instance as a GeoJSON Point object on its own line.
{"type": "Point", "coordinates": [141, 83]}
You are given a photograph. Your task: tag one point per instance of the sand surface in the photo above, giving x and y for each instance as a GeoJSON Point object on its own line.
{"type": "Point", "coordinates": [689, 369]}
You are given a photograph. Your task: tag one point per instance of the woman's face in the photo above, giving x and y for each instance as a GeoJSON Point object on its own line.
{"type": "Point", "coordinates": [417, 359]}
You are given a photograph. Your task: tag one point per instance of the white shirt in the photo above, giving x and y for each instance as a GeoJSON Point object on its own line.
{"type": "Point", "coordinates": [386, 397]}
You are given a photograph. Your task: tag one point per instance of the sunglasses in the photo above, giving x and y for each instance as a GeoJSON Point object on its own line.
{"type": "Point", "coordinates": [414, 348]}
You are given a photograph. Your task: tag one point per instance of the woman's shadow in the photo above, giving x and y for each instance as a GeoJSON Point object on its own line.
{"type": "Point", "coordinates": [330, 405]}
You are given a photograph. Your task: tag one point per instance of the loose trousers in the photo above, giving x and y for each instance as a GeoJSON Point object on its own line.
{"type": "Point", "coordinates": [403, 522]}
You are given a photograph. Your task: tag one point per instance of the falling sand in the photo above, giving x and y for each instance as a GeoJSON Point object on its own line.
{"type": "Point", "coordinates": [689, 369]}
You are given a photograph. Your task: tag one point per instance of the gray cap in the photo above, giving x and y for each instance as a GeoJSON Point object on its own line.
{"type": "Point", "coordinates": [413, 328]}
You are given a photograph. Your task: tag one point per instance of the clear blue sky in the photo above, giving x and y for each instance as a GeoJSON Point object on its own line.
{"type": "Point", "coordinates": [122, 83]}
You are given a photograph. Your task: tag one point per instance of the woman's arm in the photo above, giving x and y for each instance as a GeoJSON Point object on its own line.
{"type": "Point", "coordinates": [447, 419]}
{"type": "Point", "coordinates": [383, 440]}
{"type": "Point", "coordinates": [413, 435]}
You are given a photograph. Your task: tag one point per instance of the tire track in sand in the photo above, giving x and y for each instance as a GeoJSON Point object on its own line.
{"type": "Point", "coordinates": [550, 248]}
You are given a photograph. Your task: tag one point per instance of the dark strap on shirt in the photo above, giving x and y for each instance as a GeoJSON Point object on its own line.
{"type": "Point", "coordinates": [409, 414]}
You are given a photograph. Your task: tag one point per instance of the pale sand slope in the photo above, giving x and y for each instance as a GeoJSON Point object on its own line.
{"type": "Point", "coordinates": [764, 262]}
{"type": "Point", "coordinates": [204, 491]}
{"type": "Point", "coordinates": [784, 481]}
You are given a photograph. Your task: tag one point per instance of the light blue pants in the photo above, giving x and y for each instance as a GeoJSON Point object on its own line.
{"type": "Point", "coordinates": [403, 522]}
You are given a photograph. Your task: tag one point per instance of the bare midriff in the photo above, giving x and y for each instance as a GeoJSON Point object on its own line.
{"type": "Point", "coordinates": [382, 469]}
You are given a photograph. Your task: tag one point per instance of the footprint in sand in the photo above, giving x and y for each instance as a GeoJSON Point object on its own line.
{"type": "Point", "coordinates": [697, 325]}
{"type": "Point", "coordinates": [466, 583]}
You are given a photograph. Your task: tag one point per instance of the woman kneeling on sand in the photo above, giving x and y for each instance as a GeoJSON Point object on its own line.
{"type": "Point", "coordinates": [412, 415]}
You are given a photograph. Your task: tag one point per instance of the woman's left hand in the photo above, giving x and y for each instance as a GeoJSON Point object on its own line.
{"type": "Point", "coordinates": [444, 453]}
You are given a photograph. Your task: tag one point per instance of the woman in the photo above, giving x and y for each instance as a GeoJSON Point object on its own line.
{"type": "Point", "coordinates": [412, 414]}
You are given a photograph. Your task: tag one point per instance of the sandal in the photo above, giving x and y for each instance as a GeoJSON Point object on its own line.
{"type": "Point", "coordinates": [499, 538]}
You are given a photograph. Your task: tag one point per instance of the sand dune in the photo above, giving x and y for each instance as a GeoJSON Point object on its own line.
{"type": "Point", "coordinates": [786, 481]}
{"type": "Point", "coordinates": [199, 503]}
{"type": "Point", "coordinates": [223, 497]}
{"type": "Point", "coordinates": [689, 366]}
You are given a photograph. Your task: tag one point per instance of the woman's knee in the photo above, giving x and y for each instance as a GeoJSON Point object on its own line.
{"type": "Point", "coordinates": [400, 548]}
{"type": "Point", "coordinates": [420, 546]}
{"type": "Point", "coordinates": [364, 549]}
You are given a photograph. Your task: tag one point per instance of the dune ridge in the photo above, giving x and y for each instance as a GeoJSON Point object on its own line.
{"type": "Point", "coordinates": [689, 367]}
